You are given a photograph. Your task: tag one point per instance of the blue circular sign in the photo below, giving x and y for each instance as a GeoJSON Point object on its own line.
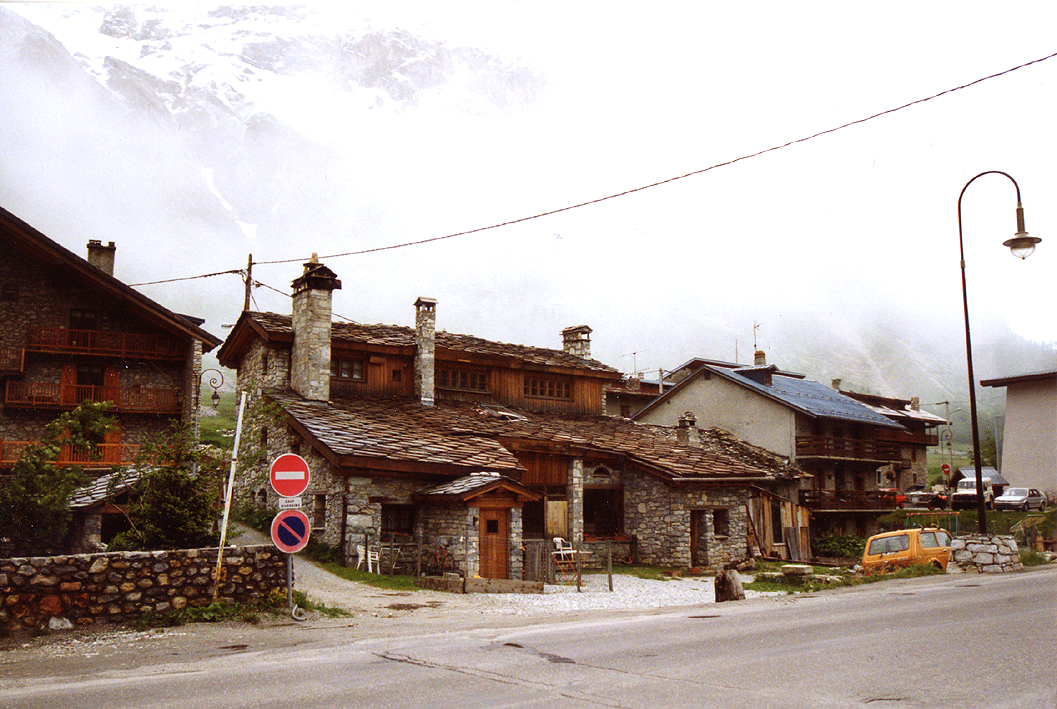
{"type": "Point", "coordinates": [290, 531]}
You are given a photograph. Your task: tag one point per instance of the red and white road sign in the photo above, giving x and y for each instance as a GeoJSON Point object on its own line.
{"type": "Point", "coordinates": [946, 470]}
{"type": "Point", "coordinates": [289, 475]}
{"type": "Point", "coordinates": [290, 531]}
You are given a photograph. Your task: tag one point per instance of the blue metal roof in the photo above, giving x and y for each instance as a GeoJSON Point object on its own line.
{"type": "Point", "coordinates": [807, 396]}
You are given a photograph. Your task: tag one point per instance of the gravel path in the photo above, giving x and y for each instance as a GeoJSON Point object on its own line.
{"type": "Point", "coordinates": [629, 593]}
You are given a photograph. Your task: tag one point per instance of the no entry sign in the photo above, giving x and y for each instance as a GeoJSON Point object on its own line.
{"type": "Point", "coordinates": [290, 531]}
{"type": "Point", "coordinates": [289, 475]}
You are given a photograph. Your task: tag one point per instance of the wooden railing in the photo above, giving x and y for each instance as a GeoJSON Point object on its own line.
{"type": "Point", "coordinates": [11, 359]}
{"type": "Point", "coordinates": [51, 395]}
{"type": "Point", "coordinates": [846, 500]}
{"type": "Point", "coordinates": [846, 448]}
{"type": "Point", "coordinates": [106, 454]}
{"type": "Point", "coordinates": [921, 439]}
{"type": "Point", "coordinates": [104, 342]}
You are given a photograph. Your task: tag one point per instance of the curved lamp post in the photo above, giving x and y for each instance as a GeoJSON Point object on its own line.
{"type": "Point", "coordinates": [1021, 245]}
{"type": "Point", "coordinates": [215, 381]}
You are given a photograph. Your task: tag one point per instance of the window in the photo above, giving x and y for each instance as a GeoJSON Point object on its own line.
{"type": "Point", "coordinates": [81, 319]}
{"type": "Point", "coordinates": [90, 375]}
{"type": "Point", "coordinates": [347, 369]}
{"type": "Point", "coordinates": [397, 519]}
{"type": "Point", "coordinates": [721, 523]}
{"type": "Point", "coordinates": [464, 379]}
{"type": "Point", "coordinates": [548, 388]}
{"type": "Point", "coordinates": [603, 511]}
{"type": "Point", "coordinates": [319, 512]}
{"type": "Point", "coordinates": [264, 365]}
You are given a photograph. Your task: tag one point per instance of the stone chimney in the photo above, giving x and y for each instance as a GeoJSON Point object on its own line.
{"type": "Point", "coordinates": [915, 403]}
{"type": "Point", "coordinates": [102, 257]}
{"type": "Point", "coordinates": [577, 341]}
{"type": "Point", "coordinates": [686, 433]}
{"type": "Point", "coordinates": [759, 359]}
{"type": "Point", "coordinates": [835, 384]}
{"type": "Point", "coordinates": [425, 349]}
{"type": "Point", "coordinates": [310, 358]}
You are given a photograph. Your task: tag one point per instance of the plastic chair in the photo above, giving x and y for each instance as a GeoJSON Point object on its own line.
{"type": "Point", "coordinates": [369, 556]}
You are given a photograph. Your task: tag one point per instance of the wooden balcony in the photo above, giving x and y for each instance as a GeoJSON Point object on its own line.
{"type": "Point", "coordinates": [107, 454]}
{"type": "Point", "coordinates": [847, 449]}
{"type": "Point", "coordinates": [846, 500]}
{"type": "Point", "coordinates": [104, 342]}
{"type": "Point", "coordinates": [12, 360]}
{"type": "Point", "coordinates": [47, 395]}
{"type": "Point", "coordinates": [908, 438]}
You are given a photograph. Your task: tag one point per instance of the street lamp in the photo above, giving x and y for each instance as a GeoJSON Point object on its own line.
{"type": "Point", "coordinates": [215, 381]}
{"type": "Point", "coordinates": [1021, 245]}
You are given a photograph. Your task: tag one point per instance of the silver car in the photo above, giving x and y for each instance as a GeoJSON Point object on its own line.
{"type": "Point", "coordinates": [1020, 498]}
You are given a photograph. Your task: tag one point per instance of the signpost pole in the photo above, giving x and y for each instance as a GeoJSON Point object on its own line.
{"type": "Point", "coordinates": [227, 497]}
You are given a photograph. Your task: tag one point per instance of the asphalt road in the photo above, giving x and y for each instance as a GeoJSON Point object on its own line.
{"type": "Point", "coordinates": [953, 641]}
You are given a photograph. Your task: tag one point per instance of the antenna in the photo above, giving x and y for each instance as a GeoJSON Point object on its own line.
{"type": "Point", "coordinates": [755, 327]}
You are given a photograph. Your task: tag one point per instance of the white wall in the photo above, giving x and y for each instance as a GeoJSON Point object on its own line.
{"type": "Point", "coordinates": [723, 404]}
{"type": "Point", "coordinates": [1029, 451]}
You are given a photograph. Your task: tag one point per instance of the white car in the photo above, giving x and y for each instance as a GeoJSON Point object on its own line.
{"type": "Point", "coordinates": [1020, 498]}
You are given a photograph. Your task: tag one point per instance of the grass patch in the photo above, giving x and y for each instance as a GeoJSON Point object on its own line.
{"type": "Point", "coordinates": [807, 585]}
{"type": "Point", "coordinates": [1029, 557]}
{"type": "Point", "coordinates": [396, 582]}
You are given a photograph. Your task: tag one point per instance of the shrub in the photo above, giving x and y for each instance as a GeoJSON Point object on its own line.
{"type": "Point", "coordinates": [838, 545]}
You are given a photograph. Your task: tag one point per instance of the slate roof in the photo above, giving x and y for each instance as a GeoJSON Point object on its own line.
{"type": "Point", "coordinates": [404, 337]}
{"type": "Point", "coordinates": [809, 397]}
{"type": "Point", "coordinates": [475, 484]}
{"type": "Point", "coordinates": [96, 491]}
{"type": "Point", "coordinates": [470, 437]}
{"type": "Point", "coordinates": [1019, 378]}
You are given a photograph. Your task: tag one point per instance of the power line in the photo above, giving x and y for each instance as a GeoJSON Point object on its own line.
{"type": "Point", "coordinates": [678, 177]}
{"type": "Point", "coordinates": [628, 191]}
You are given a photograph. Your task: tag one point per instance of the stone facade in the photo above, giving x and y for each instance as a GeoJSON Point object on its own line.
{"type": "Point", "coordinates": [310, 369]}
{"type": "Point", "coordinates": [660, 517]}
{"type": "Point", "coordinates": [90, 589]}
{"type": "Point", "coordinates": [989, 554]}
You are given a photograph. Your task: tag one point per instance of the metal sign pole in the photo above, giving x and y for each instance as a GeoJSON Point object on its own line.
{"type": "Point", "coordinates": [227, 497]}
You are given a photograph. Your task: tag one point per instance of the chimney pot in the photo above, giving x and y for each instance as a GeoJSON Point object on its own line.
{"type": "Point", "coordinates": [915, 403]}
{"type": "Point", "coordinates": [835, 384]}
{"type": "Point", "coordinates": [310, 356]}
{"type": "Point", "coordinates": [576, 341]}
{"type": "Point", "coordinates": [687, 428]}
{"type": "Point", "coordinates": [102, 257]}
{"type": "Point", "coordinates": [759, 359]}
{"type": "Point", "coordinates": [425, 350]}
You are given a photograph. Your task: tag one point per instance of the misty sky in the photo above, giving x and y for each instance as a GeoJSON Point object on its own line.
{"type": "Point", "coordinates": [859, 221]}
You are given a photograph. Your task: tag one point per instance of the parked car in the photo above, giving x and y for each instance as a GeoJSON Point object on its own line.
{"type": "Point", "coordinates": [1020, 498]}
{"type": "Point", "coordinates": [922, 497]}
{"type": "Point", "coordinates": [906, 547]}
{"type": "Point", "coordinates": [964, 497]}
{"type": "Point", "coordinates": [892, 496]}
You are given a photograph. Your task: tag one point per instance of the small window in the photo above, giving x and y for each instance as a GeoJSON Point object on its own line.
{"type": "Point", "coordinates": [721, 522]}
{"type": "Point", "coordinates": [397, 375]}
{"type": "Point", "coordinates": [264, 439]}
{"type": "Point", "coordinates": [351, 369]}
{"type": "Point", "coordinates": [464, 379]}
{"type": "Point", "coordinates": [548, 388]}
{"type": "Point", "coordinates": [491, 526]}
{"type": "Point", "coordinates": [319, 512]}
{"type": "Point", "coordinates": [603, 511]}
{"type": "Point", "coordinates": [397, 519]}
{"type": "Point", "coordinates": [264, 366]}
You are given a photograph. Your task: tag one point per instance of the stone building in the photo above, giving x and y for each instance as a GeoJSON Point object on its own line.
{"type": "Point", "coordinates": [415, 435]}
{"type": "Point", "coordinates": [851, 445]}
{"type": "Point", "coordinates": [70, 332]}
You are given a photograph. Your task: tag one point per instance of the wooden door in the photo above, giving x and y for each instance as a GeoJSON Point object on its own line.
{"type": "Point", "coordinates": [495, 543]}
{"type": "Point", "coordinates": [68, 384]}
{"type": "Point", "coordinates": [112, 386]}
{"type": "Point", "coordinates": [111, 448]}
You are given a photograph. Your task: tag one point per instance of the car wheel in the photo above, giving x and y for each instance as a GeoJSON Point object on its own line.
{"type": "Point", "coordinates": [1042, 506]}
{"type": "Point", "coordinates": [1024, 507]}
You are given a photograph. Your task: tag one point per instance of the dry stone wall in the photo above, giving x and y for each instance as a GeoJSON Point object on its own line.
{"type": "Point", "coordinates": [985, 553]}
{"type": "Point", "coordinates": [91, 589]}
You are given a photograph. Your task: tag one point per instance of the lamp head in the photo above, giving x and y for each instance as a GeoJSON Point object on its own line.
{"type": "Point", "coordinates": [1022, 244]}
{"type": "Point", "coordinates": [216, 398]}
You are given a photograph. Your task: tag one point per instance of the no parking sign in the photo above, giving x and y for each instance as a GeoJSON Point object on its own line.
{"type": "Point", "coordinates": [290, 531]}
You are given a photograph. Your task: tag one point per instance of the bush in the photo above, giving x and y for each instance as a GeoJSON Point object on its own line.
{"type": "Point", "coordinates": [838, 545]}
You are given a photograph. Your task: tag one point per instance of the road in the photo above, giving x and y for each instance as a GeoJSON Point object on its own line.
{"type": "Point", "coordinates": [949, 641]}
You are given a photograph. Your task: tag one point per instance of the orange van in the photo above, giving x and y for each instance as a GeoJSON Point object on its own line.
{"type": "Point", "coordinates": [906, 547]}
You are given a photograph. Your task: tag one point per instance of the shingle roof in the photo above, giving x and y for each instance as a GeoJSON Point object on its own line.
{"type": "Point", "coordinates": [96, 491]}
{"type": "Point", "coordinates": [399, 336]}
{"type": "Point", "coordinates": [468, 436]}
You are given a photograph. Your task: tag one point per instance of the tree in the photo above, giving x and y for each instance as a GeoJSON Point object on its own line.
{"type": "Point", "coordinates": [35, 503]}
{"type": "Point", "coordinates": [173, 501]}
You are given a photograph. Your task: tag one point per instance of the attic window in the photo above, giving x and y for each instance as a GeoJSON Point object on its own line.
{"type": "Point", "coordinates": [548, 388]}
{"type": "Point", "coordinates": [463, 379]}
{"type": "Point", "coordinates": [351, 369]}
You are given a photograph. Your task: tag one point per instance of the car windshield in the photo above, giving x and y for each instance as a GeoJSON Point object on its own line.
{"type": "Point", "coordinates": [1016, 492]}
{"type": "Point", "coordinates": [966, 484]}
{"type": "Point", "coordinates": [888, 545]}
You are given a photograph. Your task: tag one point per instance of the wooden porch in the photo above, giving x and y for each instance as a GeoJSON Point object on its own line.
{"type": "Point", "coordinates": [50, 395]}
{"type": "Point", "coordinates": [831, 447]}
{"type": "Point", "coordinates": [63, 340]}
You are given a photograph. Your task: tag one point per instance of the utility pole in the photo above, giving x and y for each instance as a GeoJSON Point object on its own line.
{"type": "Point", "coordinates": [249, 283]}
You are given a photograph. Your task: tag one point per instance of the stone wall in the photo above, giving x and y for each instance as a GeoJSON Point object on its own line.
{"type": "Point", "coordinates": [989, 554]}
{"type": "Point", "coordinates": [660, 518]}
{"type": "Point", "coordinates": [91, 589]}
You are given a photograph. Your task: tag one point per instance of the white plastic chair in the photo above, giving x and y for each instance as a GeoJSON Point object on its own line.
{"type": "Point", "coordinates": [365, 555]}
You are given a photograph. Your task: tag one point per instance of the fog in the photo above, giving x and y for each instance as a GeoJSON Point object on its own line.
{"type": "Point", "coordinates": [836, 255]}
